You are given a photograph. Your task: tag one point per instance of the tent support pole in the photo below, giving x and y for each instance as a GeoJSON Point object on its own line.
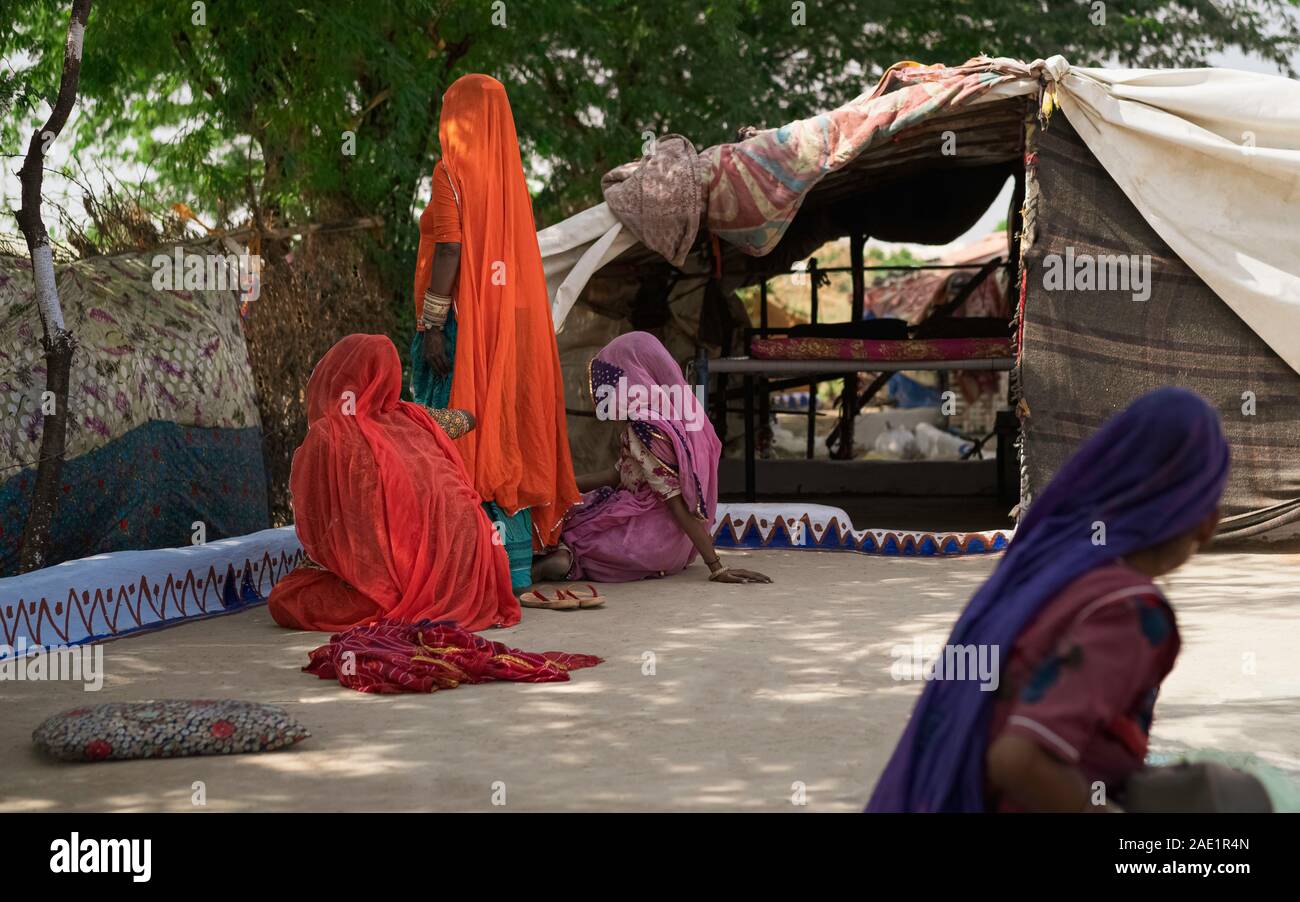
{"type": "Point", "coordinates": [750, 488]}
{"type": "Point", "coordinates": [849, 393]}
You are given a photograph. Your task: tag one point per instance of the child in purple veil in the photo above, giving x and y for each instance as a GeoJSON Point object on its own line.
{"type": "Point", "coordinates": [1084, 637]}
{"type": "Point", "coordinates": [653, 512]}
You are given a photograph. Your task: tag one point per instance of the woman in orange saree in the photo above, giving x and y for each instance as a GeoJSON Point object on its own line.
{"type": "Point", "coordinates": [385, 509]}
{"type": "Point", "coordinates": [485, 341]}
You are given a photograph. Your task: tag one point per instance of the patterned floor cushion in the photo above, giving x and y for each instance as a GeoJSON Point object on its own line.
{"type": "Point", "coordinates": [168, 728]}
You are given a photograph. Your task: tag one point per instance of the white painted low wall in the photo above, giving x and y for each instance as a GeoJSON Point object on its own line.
{"type": "Point", "coordinates": [110, 595]}
{"type": "Point", "coordinates": [113, 595]}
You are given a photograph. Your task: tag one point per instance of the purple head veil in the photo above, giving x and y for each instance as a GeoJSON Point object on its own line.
{"type": "Point", "coordinates": [655, 398]}
{"type": "Point", "coordinates": [1151, 473]}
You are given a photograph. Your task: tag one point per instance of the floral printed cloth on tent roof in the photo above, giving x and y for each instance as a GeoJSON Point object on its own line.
{"type": "Point", "coordinates": [163, 425]}
{"type": "Point", "coordinates": [144, 354]}
{"type": "Point", "coordinates": [749, 191]}
{"type": "Point", "coordinates": [755, 187]}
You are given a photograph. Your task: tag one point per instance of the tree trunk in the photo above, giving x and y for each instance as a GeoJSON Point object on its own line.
{"type": "Point", "coordinates": [56, 340]}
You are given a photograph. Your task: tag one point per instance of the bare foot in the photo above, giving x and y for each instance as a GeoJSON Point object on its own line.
{"type": "Point", "coordinates": [553, 567]}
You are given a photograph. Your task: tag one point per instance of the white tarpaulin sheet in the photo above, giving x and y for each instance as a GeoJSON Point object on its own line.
{"type": "Point", "coordinates": [574, 249]}
{"type": "Point", "coordinates": [1210, 157]}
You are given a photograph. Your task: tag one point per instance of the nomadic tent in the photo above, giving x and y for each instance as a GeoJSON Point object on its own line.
{"type": "Point", "coordinates": [1152, 232]}
{"type": "Point", "coordinates": [164, 444]}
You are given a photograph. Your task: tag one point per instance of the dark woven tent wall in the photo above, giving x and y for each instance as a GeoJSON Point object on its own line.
{"type": "Point", "coordinates": [1086, 354]}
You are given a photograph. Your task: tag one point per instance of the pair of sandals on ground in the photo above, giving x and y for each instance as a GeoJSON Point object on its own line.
{"type": "Point", "coordinates": [554, 567]}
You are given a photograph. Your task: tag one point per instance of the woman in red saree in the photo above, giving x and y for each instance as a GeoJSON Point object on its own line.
{"type": "Point", "coordinates": [385, 509]}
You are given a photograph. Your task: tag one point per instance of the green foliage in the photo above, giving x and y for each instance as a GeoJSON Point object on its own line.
{"type": "Point", "coordinates": [243, 111]}
{"type": "Point", "coordinates": [10, 90]}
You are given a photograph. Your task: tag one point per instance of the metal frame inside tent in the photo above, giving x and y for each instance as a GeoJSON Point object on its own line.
{"type": "Point", "coordinates": [756, 374]}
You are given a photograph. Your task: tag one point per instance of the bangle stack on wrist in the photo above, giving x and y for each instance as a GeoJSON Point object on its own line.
{"type": "Point", "coordinates": [715, 568]}
{"type": "Point", "coordinates": [434, 313]}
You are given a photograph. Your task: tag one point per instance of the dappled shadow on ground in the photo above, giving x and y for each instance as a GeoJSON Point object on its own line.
{"type": "Point", "coordinates": [712, 697]}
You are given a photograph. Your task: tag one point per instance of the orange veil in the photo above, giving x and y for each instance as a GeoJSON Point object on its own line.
{"type": "Point", "coordinates": [507, 367]}
{"type": "Point", "coordinates": [382, 501]}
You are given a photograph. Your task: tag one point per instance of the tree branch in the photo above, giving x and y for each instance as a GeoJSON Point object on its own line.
{"type": "Point", "coordinates": [57, 341]}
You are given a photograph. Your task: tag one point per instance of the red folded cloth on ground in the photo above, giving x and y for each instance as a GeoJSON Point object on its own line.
{"type": "Point", "coordinates": [390, 656]}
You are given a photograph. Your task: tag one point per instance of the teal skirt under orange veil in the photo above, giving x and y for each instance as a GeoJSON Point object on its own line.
{"type": "Point", "coordinates": [433, 390]}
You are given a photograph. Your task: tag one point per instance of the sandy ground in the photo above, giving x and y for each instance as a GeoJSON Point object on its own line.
{"type": "Point", "coordinates": [753, 690]}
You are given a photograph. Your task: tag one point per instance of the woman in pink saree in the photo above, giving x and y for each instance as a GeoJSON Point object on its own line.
{"type": "Point", "coordinates": [653, 512]}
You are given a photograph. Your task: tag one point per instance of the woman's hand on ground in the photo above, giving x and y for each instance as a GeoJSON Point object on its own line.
{"type": "Point", "coordinates": [736, 575]}
{"type": "Point", "coordinates": [435, 354]}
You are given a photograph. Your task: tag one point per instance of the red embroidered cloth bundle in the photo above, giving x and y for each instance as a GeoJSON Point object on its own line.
{"type": "Point", "coordinates": [390, 656]}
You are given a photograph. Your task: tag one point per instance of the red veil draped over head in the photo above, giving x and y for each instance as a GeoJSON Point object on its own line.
{"type": "Point", "coordinates": [507, 367]}
{"type": "Point", "coordinates": [382, 502]}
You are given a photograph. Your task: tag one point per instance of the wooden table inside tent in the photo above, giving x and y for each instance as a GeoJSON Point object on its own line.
{"type": "Point", "coordinates": [752, 370]}
{"type": "Point", "coordinates": [774, 352]}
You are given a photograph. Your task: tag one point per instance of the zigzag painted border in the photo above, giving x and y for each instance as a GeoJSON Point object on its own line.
{"type": "Point", "coordinates": [70, 604]}
{"type": "Point", "coordinates": [820, 528]}
{"type": "Point", "coordinates": [114, 595]}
